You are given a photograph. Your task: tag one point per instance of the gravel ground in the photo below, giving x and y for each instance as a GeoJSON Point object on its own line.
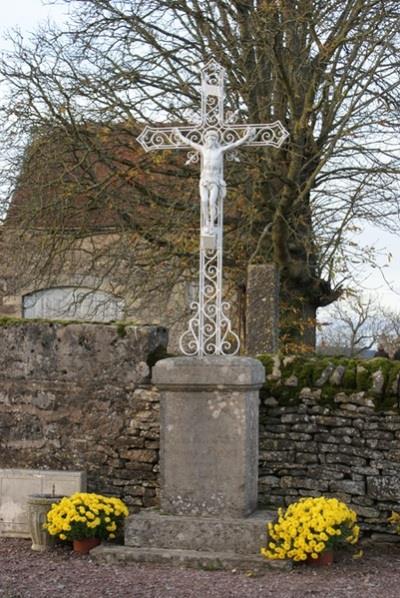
{"type": "Point", "coordinates": [61, 573]}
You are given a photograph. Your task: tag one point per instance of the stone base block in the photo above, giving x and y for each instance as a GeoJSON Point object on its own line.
{"type": "Point", "coordinates": [238, 535]}
{"type": "Point", "coordinates": [17, 484]}
{"type": "Point", "coordinates": [199, 542]}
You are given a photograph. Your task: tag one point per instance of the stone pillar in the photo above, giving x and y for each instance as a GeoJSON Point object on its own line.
{"type": "Point", "coordinates": [262, 309]}
{"type": "Point", "coordinates": [209, 434]}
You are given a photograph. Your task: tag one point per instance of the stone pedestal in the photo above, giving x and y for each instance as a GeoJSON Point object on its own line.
{"type": "Point", "coordinates": [209, 470]}
{"type": "Point", "coordinates": [209, 435]}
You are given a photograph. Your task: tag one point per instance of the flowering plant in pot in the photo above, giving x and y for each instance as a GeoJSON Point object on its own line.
{"type": "Point", "coordinates": [86, 516]}
{"type": "Point", "coordinates": [310, 529]}
{"type": "Point", "coordinates": [394, 519]}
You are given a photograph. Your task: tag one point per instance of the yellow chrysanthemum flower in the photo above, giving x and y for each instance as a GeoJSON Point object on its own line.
{"type": "Point", "coordinates": [85, 515]}
{"type": "Point", "coordinates": [310, 526]}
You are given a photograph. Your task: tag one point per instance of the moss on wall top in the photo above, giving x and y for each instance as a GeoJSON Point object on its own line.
{"type": "Point", "coordinates": [379, 378]}
{"type": "Point", "coordinates": [6, 321]}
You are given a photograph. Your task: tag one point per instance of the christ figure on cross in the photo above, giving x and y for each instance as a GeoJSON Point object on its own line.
{"type": "Point", "coordinates": [212, 184]}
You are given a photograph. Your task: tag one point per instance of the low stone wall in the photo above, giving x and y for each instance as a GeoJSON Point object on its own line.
{"type": "Point", "coordinates": [328, 438]}
{"type": "Point", "coordinates": [77, 397]}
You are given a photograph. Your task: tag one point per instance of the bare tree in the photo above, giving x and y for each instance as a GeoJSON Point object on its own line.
{"type": "Point", "coordinates": [327, 70]}
{"type": "Point", "coordinates": [389, 337]}
{"type": "Point", "coordinates": [356, 324]}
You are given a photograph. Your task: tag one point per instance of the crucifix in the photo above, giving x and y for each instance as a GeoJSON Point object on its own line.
{"type": "Point", "coordinates": [209, 330]}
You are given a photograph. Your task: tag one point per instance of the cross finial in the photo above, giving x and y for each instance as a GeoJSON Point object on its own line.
{"type": "Point", "coordinates": [212, 94]}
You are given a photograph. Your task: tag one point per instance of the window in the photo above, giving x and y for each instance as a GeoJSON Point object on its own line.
{"type": "Point", "coordinates": [70, 303]}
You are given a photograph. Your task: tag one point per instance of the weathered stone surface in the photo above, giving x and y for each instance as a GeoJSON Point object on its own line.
{"type": "Point", "coordinates": [209, 468]}
{"type": "Point", "coordinates": [326, 374]}
{"type": "Point", "coordinates": [306, 458]}
{"type": "Point", "coordinates": [107, 422]}
{"type": "Point", "coordinates": [262, 309]}
{"type": "Point", "coordinates": [358, 398]}
{"type": "Point", "coordinates": [270, 402]}
{"type": "Point", "coordinates": [187, 558]}
{"type": "Point", "coordinates": [312, 395]}
{"type": "Point", "coordinates": [303, 482]}
{"type": "Point", "coordinates": [366, 512]}
{"type": "Point", "coordinates": [53, 351]}
{"type": "Point", "coordinates": [291, 381]}
{"type": "Point", "coordinates": [347, 445]}
{"type": "Point", "coordinates": [378, 382]}
{"type": "Point", "coordinates": [151, 529]}
{"type": "Point", "coordinates": [333, 420]}
{"type": "Point", "coordinates": [348, 486]}
{"type": "Point", "coordinates": [223, 372]}
{"type": "Point", "coordinates": [384, 538]}
{"type": "Point", "coordinates": [70, 399]}
{"type": "Point", "coordinates": [337, 375]}
{"type": "Point", "coordinates": [384, 487]}
{"type": "Point", "coordinates": [276, 368]}
{"type": "Point", "coordinates": [201, 542]}
{"type": "Point", "coordinates": [268, 480]}
{"type": "Point", "coordinates": [276, 456]}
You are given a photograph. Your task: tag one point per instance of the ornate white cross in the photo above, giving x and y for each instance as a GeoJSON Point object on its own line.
{"type": "Point", "coordinates": [209, 329]}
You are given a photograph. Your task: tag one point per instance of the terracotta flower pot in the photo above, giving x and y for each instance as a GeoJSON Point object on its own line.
{"type": "Point", "coordinates": [323, 559]}
{"type": "Point", "coordinates": [85, 545]}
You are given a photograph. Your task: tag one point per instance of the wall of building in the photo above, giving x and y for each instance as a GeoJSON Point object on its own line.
{"type": "Point", "coordinates": [37, 279]}
{"type": "Point", "coordinates": [103, 269]}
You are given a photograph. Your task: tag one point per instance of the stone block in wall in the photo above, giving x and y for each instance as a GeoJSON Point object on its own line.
{"type": "Point", "coordinates": [277, 456]}
{"type": "Point", "coordinates": [384, 487]}
{"type": "Point", "coordinates": [348, 486]}
{"type": "Point", "coordinates": [366, 512]}
{"type": "Point", "coordinates": [303, 482]}
{"type": "Point", "coordinates": [364, 501]}
{"type": "Point", "coordinates": [269, 480]}
{"type": "Point", "coordinates": [306, 458]}
{"type": "Point", "coordinates": [345, 459]}
{"type": "Point", "coordinates": [17, 484]}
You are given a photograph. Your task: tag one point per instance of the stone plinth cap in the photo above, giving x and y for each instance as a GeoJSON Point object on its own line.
{"type": "Point", "coordinates": [218, 371]}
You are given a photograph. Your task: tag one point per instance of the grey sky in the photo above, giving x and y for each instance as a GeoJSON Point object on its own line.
{"type": "Point", "coordinates": [26, 14]}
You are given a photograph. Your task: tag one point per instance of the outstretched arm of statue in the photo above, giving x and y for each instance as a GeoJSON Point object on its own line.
{"type": "Point", "coordinates": [186, 140]}
{"type": "Point", "coordinates": [250, 133]}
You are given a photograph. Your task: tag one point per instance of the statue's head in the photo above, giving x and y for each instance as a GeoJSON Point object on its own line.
{"type": "Point", "coordinates": [211, 138]}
